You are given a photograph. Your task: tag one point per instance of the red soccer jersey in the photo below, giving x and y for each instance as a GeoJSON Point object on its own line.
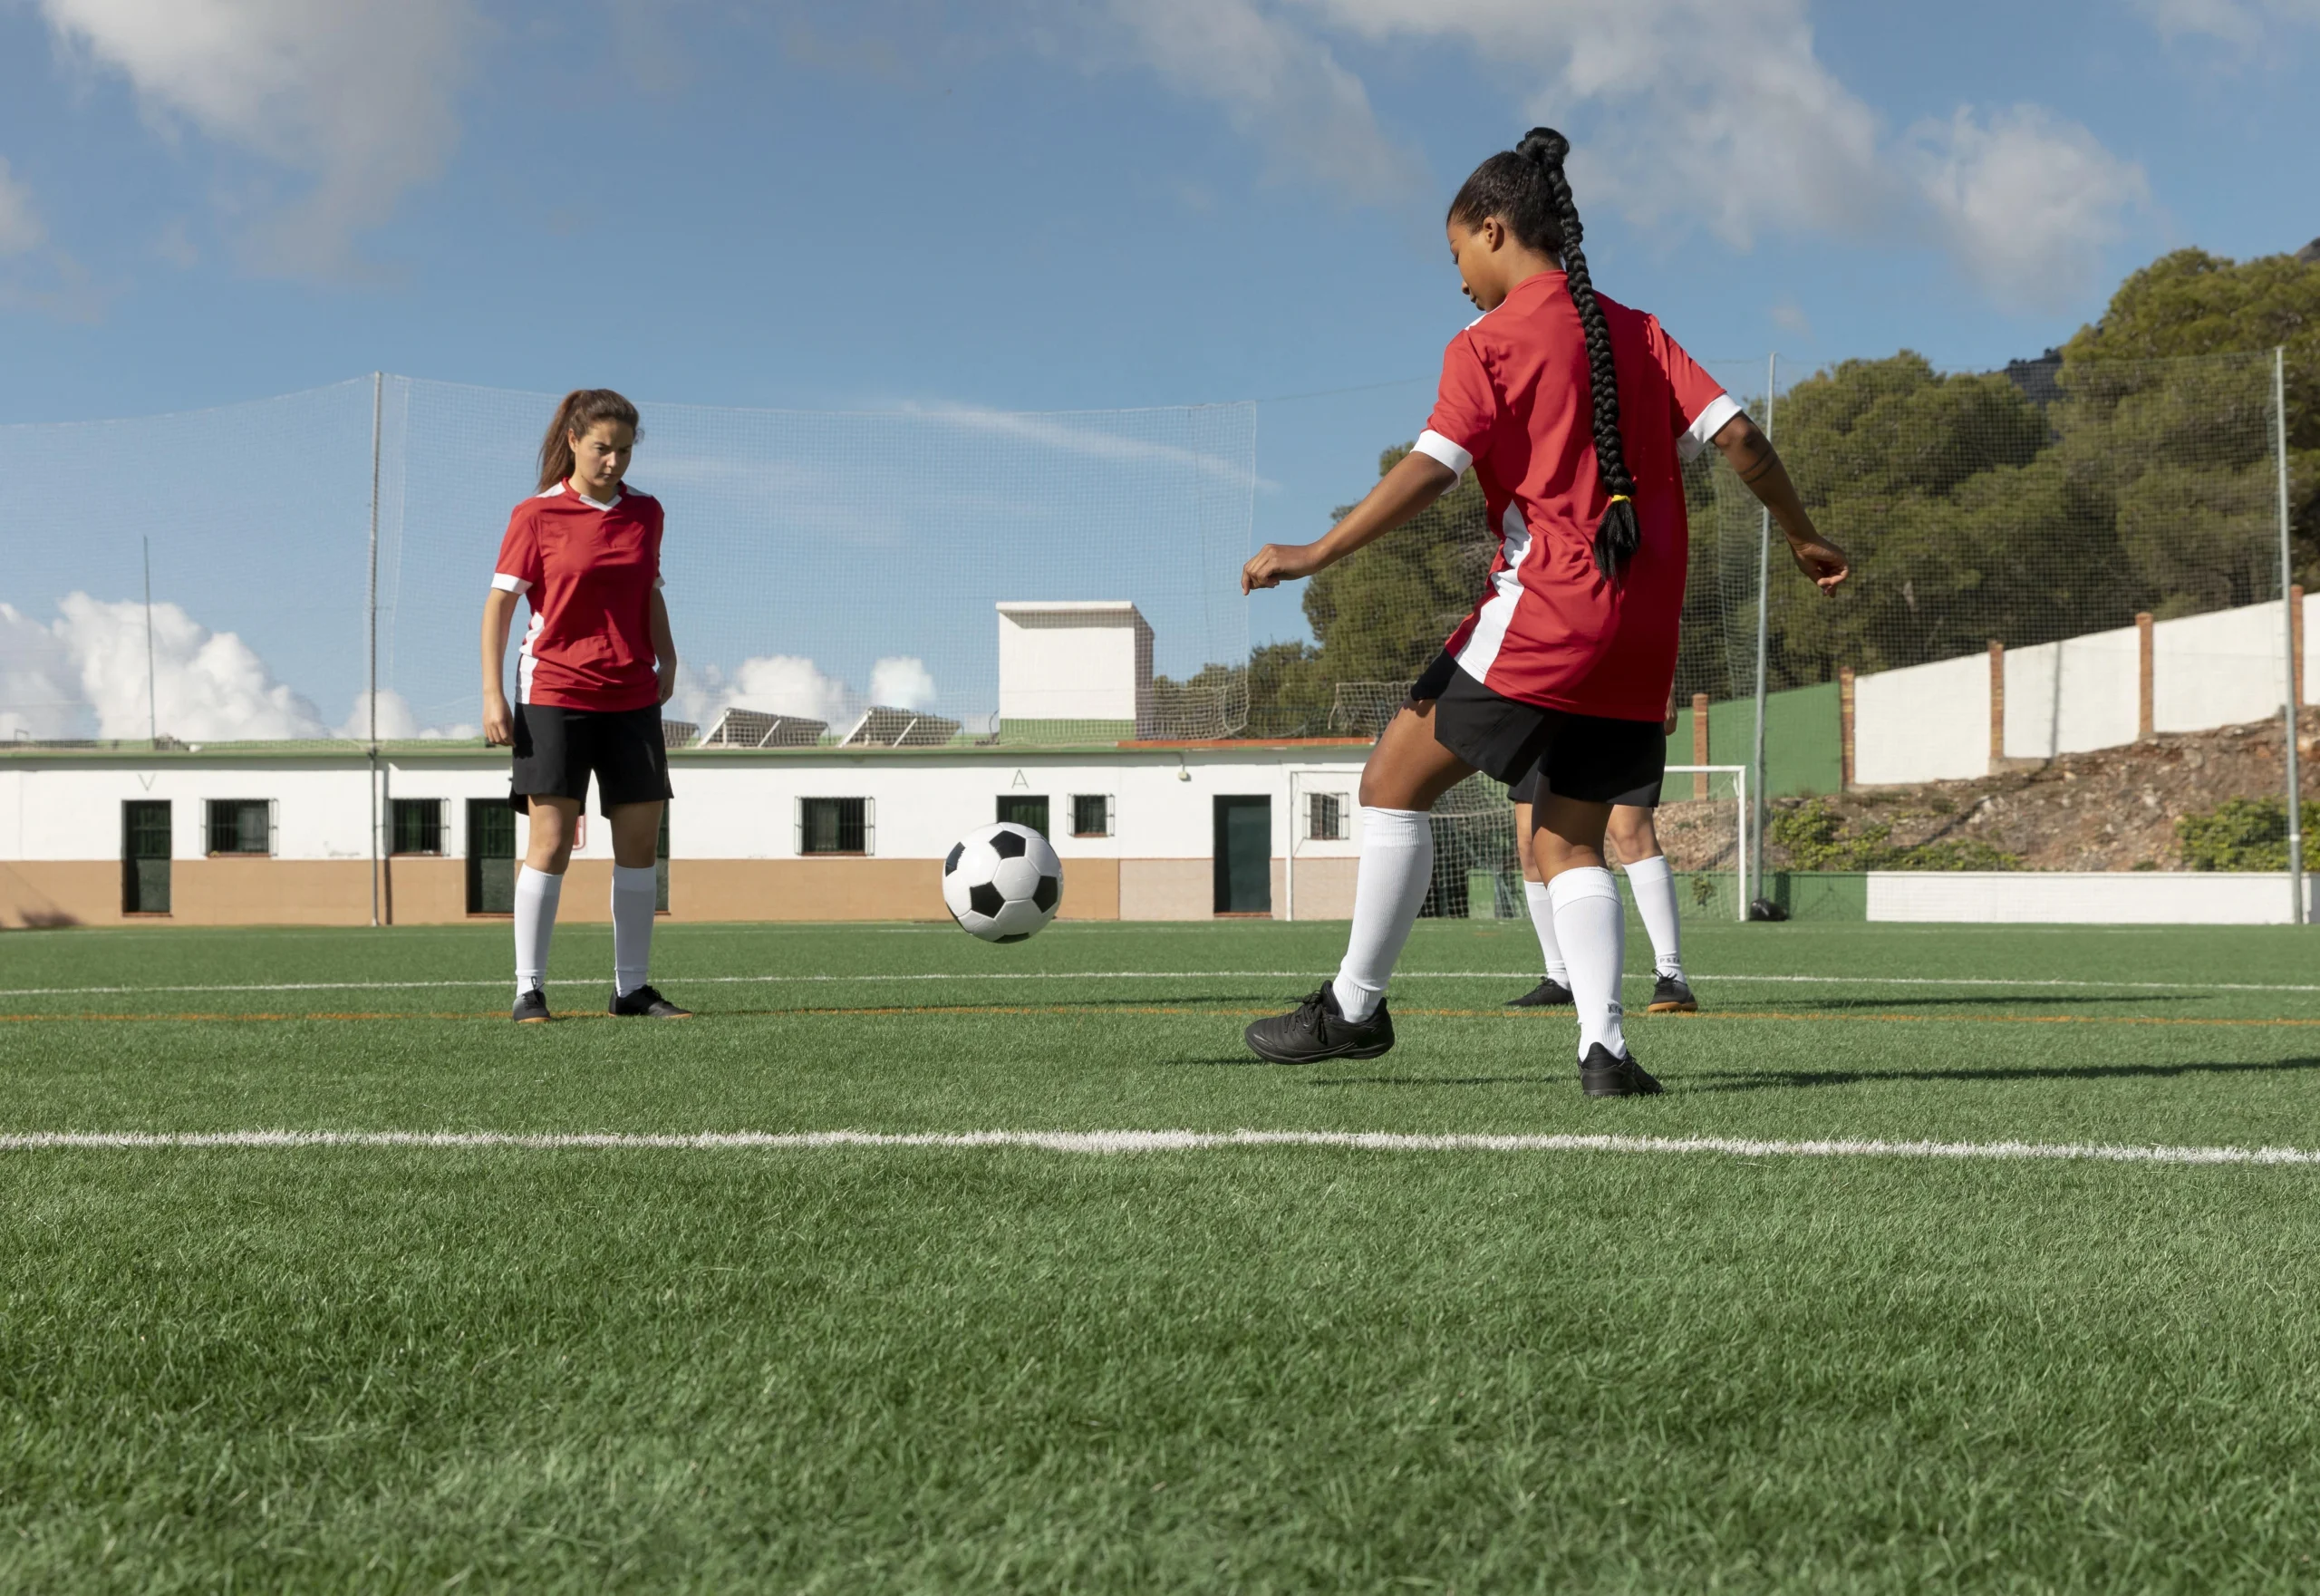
{"type": "Point", "coordinates": [589, 570]}
{"type": "Point", "coordinates": [1516, 403]}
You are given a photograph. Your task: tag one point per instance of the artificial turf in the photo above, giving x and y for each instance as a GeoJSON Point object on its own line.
{"type": "Point", "coordinates": [1259, 1368]}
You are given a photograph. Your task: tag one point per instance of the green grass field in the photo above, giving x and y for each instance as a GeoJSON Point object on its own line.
{"type": "Point", "coordinates": [1253, 1367]}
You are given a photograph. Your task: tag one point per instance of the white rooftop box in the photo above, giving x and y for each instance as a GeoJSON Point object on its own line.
{"type": "Point", "coordinates": [1081, 670]}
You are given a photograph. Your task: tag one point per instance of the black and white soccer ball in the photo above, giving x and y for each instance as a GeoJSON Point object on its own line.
{"type": "Point", "coordinates": [1002, 883]}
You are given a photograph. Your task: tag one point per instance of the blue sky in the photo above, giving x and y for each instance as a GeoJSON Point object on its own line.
{"type": "Point", "coordinates": [1056, 205]}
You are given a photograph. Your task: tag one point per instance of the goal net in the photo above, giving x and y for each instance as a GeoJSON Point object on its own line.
{"type": "Point", "coordinates": [1701, 823]}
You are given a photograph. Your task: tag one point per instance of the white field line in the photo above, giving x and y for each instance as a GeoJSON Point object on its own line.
{"type": "Point", "coordinates": [1103, 1142]}
{"type": "Point", "coordinates": [1511, 975]}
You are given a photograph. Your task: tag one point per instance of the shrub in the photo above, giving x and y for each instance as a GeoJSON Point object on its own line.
{"type": "Point", "coordinates": [2240, 834]}
{"type": "Point", "coordinates": [1813, 834]}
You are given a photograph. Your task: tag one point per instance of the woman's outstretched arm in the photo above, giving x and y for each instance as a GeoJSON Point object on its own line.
{"type": "Point", "coordinates": [1752, 455]}
{"type": "Point", "coordinates": [1416, 481]}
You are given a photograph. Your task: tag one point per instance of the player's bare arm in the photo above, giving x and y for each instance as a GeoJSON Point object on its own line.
{"type": "Point", "coordinates": [1416, 481]}
{"type": "Point", "coordinates": [1752, 455]}
{"type": "Point", "coordinates": [665, 647]}
{"type": "Point", "coordinates": [499, 719]}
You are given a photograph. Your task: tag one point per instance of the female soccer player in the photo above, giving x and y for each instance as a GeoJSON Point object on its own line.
{"type": "Point", "coordinates": [1572, 410]}
{"type": "Point", "coordinates": [598, 663]}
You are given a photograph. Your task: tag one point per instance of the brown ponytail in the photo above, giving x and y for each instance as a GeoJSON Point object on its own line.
{"type": "Point", "coordinates": [582, 409]}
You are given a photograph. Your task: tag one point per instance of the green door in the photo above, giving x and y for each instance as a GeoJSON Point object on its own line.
{"type": "Point", "coordinates": [1024, 810]}
{"type": "Point", "coordinates": [145, 857]}
{"type": "Point", "coordinates": [1245, 856]}
{"type": "Point", "coordinates": [492, 857]}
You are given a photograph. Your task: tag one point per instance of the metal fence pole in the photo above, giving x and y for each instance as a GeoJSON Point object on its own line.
{"type": "Point", "coordinates": [152, 689]}
{"type": "Point", "coordinates": [2288, 611]}
{"type": "Point", "coordinates": [370, 617]}
{"type": "Point", "coordinates": [1757, 787]}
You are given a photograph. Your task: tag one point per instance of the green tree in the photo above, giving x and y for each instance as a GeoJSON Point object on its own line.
{"type": "Point", "coordinates": [2192, 303]}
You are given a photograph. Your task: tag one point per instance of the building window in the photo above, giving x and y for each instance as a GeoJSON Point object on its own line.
{"type": "Point", "coordinates": [1025, 811]}
{"type": "Point", "coordinates": [1326, 816]}
{"type": "Point", "coordinates": [835, 826]}
{"type": "Point", "coordinates": [417, 827]}
{"type": "Point", "coordinates": [241, 826]}
{"type": "Point", "coordinates": [1091, 814]}
{"type": "Point", "coordinates": [145, 857]}
{"type": "Point", "coordinates": [492, 857]}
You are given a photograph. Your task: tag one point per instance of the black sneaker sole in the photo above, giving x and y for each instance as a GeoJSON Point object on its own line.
{"type": "Point", "coordinates": [1373, 1050]}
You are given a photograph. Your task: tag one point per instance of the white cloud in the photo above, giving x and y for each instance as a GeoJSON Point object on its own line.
{"type": "Point", "coordinates": [902, 682]}
{"type": "Point", "coordinates": [1277, 82]}
{"type": "Point", "coordinates": [787, 684]}
{"type": "Point", "coordinates": [397, 722]}
{"type": "Point", "coordinates": [207, 685]}
{"type": "Point", "coordinates": [356, 92]}
{"type": "Point", "coordinates": [87, 673]}
{"type": "Point", "coordinates": [20, 225]}
{"type": "Point", "coordinates": [1718, 114]}
{"type": "Point", "coordinates": [2026, 202]}
{"type": "Point", "coordinates": [2244, 23]}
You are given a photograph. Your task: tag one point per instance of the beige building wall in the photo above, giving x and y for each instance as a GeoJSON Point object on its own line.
{"type": "Point", "coordinates": [1324, 888]}
{"type": "Point", "coordinates": [426, 892]}
{"type": "Point", "coordinates": [802, 889]}
{"type": "Point", "coordinates": [1091, 890]}
{"type": "Point", "coordinates": [269, 892]}
{"type": "Point", "coordinates": [60, 892]}
{"type": "Point", "coordinates": [1167, 889]}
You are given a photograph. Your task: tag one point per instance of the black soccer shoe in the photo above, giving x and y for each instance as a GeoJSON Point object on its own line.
{"type": "Point", "coordinates": [1603, 1076]}
{"type": "Point", "coordinates": [531, 1007]}
{"type": "Point", "coordinates": [1669, 995]}
{"type": "Point", "coordinates": [1550, 994]}
{"type": "Point", "coordinates": [647, 1004]}
{"type": "Point", "coordinates": [1317, 1029]}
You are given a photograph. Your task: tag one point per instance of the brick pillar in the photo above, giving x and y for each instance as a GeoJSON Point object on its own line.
{"type": "Point", "coordinates": [1699, 742]}
{"type": "Point", "coordinates": [2143, 721]}
{"type": "Point", "coordinates": [1998, 706]}
{"type": "Point", "coordinates": [1844, 727]}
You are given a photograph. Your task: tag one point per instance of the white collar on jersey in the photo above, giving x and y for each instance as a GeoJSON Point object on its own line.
{"type": "Point", "coordinates": [583, 498]}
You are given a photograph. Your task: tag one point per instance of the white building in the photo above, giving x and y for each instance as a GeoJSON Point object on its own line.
{"type": "Point", "coordinates": [251, 833]}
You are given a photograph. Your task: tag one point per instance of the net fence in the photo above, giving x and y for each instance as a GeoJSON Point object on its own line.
{"type": "Point", "coordinates": [830, 575]}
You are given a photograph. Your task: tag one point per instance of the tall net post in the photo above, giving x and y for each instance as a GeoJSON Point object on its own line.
{"type": "Point", "coordinates": [2288, 619]}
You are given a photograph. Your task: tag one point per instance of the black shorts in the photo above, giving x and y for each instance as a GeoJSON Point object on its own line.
{"type": "Point", "coordinates": [1585, 757]}
{"type": "Point", "coordinates": [556, 749]}
{"type": "Point", "coordinates": [1534, 786]}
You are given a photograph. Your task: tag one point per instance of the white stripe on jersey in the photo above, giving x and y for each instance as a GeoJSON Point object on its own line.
{"type": "Point", "coordinates": [1498, 610]}
{"type": "Point", "coordinates": [1702, 431]}
{"type": "Point", "coordinates": [525, 663]}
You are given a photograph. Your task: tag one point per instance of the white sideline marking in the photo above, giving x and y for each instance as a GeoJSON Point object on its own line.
{"type": "Point", "coordinates": [1148, 1141]}
{"type": "Point", "coordinates": [1514, 975]}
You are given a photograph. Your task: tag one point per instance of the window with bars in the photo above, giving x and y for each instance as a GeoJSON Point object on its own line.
{"type": "Point", "coordinates": [241, 826]}
{"type": "Point", "coordinates": [145, 856]}
{"type": "Point", "coordinates": [1091, 814]}
{"type": "Point", "coordinates": [1326, 813]}
{"type": "Point", "coordinates": [1024, 809]}
{"type": "Point", "coordinates": [416, 826]}
{"type": "Point", "coordinates": [835, 826]}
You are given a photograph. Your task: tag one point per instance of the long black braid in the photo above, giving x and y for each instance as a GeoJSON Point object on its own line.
{"type": "Point", "coordinates": [1526, 188]}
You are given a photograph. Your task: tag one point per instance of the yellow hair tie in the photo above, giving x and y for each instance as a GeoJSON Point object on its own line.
{"type": "Point", "coordinates": [1618, 498]}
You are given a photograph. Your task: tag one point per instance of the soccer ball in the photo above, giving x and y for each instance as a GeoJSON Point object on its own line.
{"type": "Point", "coordinates": [1002, 883]}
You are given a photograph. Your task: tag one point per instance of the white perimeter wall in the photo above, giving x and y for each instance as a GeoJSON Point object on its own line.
{"type": "Point", "coordinates": [1925, 723]}
{"type": "Point", "coordinates": [1931, 722]}
{"type": "Point", "coordinates": [2109, 897]}
{"type": "Point", "coordinates": [736, 809]}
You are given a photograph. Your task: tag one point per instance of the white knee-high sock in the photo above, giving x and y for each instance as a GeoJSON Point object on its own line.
{"type": "Point", "coordinates": [1388, 890]}
{"type": "Point", "coordinates": [1654, 885]}
{"type": "Point", "coordinates": [1592, 923]}
{"type": "Point", "coordinates": [1543, 921]}
{"type": "Point", "coordinates": [636, 889]}
{"type": "Point", "coordinates": [537, 895]}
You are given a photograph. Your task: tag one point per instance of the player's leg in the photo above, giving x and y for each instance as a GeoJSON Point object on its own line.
{"type": "Point", "coordinates": [633, 776]}
{"type": "Point", "coordinates": [1553, 989]}
{"type": "Point", "coordinates": [1592, 764]}
{"type": "Point", "coordinates": [539, 889]}
{"type": "Point", "coordinates": [1635, 839]}
{"type": "Point", "coordinates": [548, 779]}
{"type": "Point", "coordinates": [1347, 1018]}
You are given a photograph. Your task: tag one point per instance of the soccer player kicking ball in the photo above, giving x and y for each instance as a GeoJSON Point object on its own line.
{"type": "Point", "coordinates": [597, 663]}
{"type": "Point", "coordinates": [1572, 411]}
{"type": "Point", "coordinates": [1636, 840]}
